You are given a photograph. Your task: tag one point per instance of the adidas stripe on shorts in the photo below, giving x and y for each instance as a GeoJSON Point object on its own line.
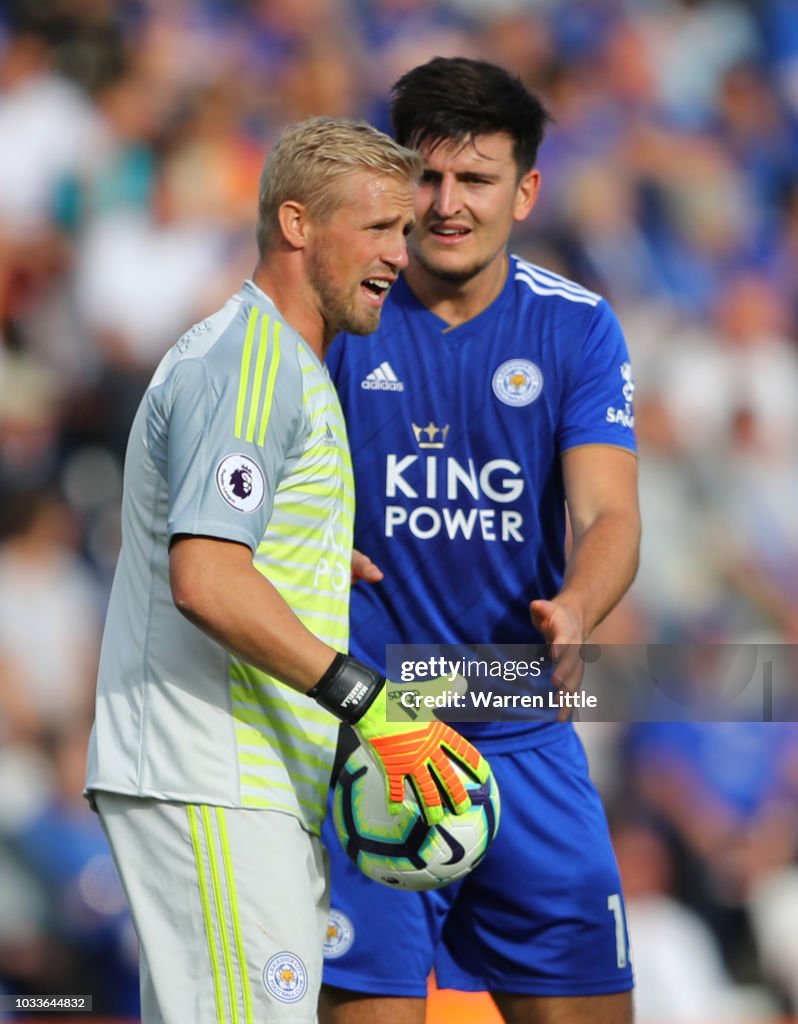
{"type": "Point", "coordinates": [242, 940]}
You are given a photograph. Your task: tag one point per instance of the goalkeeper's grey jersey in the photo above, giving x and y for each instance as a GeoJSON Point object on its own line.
{"type": "Point", "coordinates": [239, 436]}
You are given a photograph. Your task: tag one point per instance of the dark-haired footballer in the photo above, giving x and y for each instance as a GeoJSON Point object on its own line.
{"type": "Point", "coordinates": [494, 396]}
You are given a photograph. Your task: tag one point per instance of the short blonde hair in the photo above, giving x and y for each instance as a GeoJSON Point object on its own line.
{"type": "Point", "coordinates": [310, 158]}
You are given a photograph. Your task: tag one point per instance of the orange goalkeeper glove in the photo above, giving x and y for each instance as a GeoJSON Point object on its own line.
{"type": "Point", "coordinates": [425, 754]}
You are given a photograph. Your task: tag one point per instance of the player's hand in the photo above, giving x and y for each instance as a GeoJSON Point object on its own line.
{"type": "Point", "coordinates": [364, 569]}
{"type": "Point", "coordinates": [562, 631]}
{"type": "Point", "coordinates": [422, 753]}
{"type": "Point", "coordinates": [425, 754]}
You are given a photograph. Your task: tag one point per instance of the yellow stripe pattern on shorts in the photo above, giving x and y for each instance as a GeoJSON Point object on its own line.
{"type": "Point", "coordinates": [232, 994]}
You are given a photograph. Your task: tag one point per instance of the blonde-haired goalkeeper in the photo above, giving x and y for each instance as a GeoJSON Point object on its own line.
{"type": "Point", "coordinates": [209, 764]}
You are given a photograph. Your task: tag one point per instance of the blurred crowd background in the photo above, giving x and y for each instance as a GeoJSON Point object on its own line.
{"type": "Point", "coordinates": [132, 134]}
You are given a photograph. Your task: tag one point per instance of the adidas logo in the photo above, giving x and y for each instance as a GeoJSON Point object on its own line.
{"type": "Point", "coordinates": [329, 440]}
{"type": "Point", "coordinates": [382, 379]}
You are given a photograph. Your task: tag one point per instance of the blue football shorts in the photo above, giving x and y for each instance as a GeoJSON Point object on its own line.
{"type": "Point", "coordinates": [542, 915]}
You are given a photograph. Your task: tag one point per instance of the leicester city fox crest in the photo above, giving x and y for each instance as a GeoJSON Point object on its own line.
{"type": "Point", "coordinates": [286, 977]}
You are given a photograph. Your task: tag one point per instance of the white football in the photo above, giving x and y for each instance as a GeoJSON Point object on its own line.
{"type": "Point", "coordinates": [401, 850]}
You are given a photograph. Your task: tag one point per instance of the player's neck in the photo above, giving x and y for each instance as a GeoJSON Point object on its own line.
{"type": "Point", "coordinates": [457, 302]}
{"type": "Point", "coordinates": [294, 300]}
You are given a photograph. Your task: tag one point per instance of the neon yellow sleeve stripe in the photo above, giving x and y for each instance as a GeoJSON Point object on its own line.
{"type": "Point", "coordinates": [269, 397]}
{"type": "Point", "coordinates": [243, 378]}
{"type": "Point", "coordinates": [249, 375]}
{"type": "Point", "coordinates": [260, 362]}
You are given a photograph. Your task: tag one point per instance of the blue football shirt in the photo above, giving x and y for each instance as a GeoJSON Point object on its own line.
{"type": "Point", "coordinates": [456, 436]}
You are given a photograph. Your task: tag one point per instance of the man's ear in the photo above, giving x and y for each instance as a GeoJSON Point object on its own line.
{"type": "Point", "coordinates": [294, 222]}
{"type": "Point", "coordinates": [526, 195]}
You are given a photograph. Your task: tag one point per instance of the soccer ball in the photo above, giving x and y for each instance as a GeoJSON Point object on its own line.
{"type": "Point", "coordinates": [401, 850]}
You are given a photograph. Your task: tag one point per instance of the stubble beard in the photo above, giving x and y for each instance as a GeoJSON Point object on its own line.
{"type": "Point", "coordinates": [339, 309]}
{"type": "Point", "coordinates": [451, 275]}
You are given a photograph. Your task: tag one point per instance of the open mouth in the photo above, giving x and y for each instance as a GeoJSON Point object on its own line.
{"type": "Point", "coordinates": [377, 286]}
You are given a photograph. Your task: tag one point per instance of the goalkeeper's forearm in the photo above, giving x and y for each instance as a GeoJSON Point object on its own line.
{"type": "Point", "coordinates": [218, 589]}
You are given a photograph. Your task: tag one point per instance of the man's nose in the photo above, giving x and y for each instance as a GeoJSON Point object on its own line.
{"type": "Point", "coordinates": [447, 197]}
{"type": "Point", "coordinates": [396, 255]}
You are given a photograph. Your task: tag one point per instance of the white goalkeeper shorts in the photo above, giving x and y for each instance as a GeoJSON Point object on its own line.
{"type": "Point", "coordinates": [230, 907]}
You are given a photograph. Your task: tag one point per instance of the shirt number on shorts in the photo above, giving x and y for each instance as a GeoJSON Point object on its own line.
{"type": "Point", "coordinates": [615, 907]}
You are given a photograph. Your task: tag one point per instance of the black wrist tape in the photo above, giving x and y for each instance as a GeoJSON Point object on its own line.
{"type": "Point", "coordinates": [347, 688]}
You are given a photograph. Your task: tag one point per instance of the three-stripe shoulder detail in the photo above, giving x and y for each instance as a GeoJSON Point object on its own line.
{"type": "Point", "coordinates": [260, 361]}
{"type": "Point", "coordinates": [546, 282]}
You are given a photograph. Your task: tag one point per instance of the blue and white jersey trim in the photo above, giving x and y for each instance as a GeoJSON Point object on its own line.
{"type": "Point", "coordinates": [546, 282]}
